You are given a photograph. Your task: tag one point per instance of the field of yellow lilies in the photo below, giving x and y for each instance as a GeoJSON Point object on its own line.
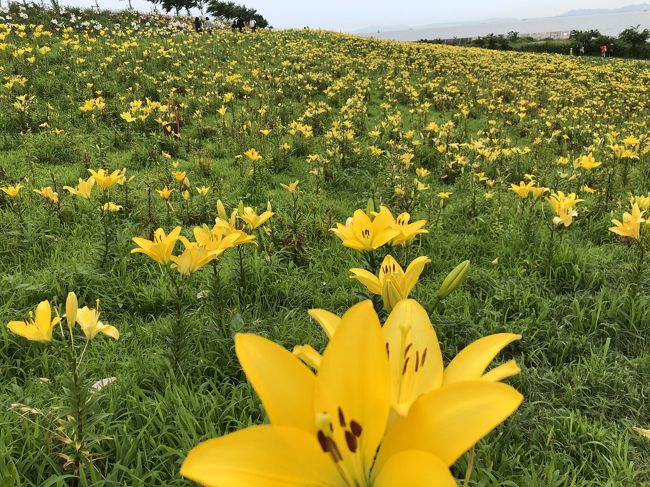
{"type": "Point", "coordinates": [309, 259]}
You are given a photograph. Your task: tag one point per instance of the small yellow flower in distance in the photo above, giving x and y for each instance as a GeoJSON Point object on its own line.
{"type": "Point", "coordinates": [291, 187]}
{"type": "Point", "coordinates": [11, 191]}
{"type": "Point", "coordinates": [48, 193]}
{"type": "Point", "coordinates": [40, 325]}
{"type": "Point", "coordinates": [105, 179]}
{"type": "Point", "coordinates": [444, 195]}
{"type": "Point", "coordinates": [252, 219]}
{"type": "Point", "coordinates": [630, 227]}
{"type": "Point", "coordinates": [587, 189]}
{"type": "Point", "coordinates": [179, 175]}
{"type": "Point", "coordinates": [265, 132]}
{"type": "Point", "coordinates": [253, 155]}
{"type": "Point", "coordinates": [165, 193]}
{"type": "Point", "coordinates": [89, 323]}
{"type": "Point", "coordinates": [127, 117]}
{"type": "Point", "coordinates": [422, 172]}
{"type": "Point", "coordinates": [84, 188]}
{"type": "Point", "coordinates": [161, 247]}
{"type": "Point", "coordinates": [202, 190]}
{"type": "Point", "coordinates": [111, 207]}
{"type": "Point", "coordinates": [587, 162]}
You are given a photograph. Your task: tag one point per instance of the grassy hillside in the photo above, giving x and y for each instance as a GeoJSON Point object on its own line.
{"type": "Point", "coordinates": [351, 119]}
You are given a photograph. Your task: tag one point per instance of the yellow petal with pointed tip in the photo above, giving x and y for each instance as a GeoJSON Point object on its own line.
{"type": "Point", "coordinates": [264, 456]}
{"type": "Point", "coordinates": [414, 468]}
{"type": "Point", "coordinates": [471, 362]}
{"type": "Point", "coordinates": [328, 321]}
{"type": "Point", "coordinates": [413, 272]}
{"type": "Point", "coordinates": [283, 383]}
{"type": "Point", "coordinates": [308, 355]}
{"type": "Point", "coordinates": [503, 371]}
{"type": "Point", "coordinates": [368, 279]}
{"type": "Point", "coordinates": [448, 421]}
{"type": "Point", "coordinates": [353, 381]}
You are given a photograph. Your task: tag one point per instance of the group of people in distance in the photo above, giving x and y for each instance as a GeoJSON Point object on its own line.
{"type": "Point", "coordinates": [238, 23]}
{"type": "Point", "coordinates": [605, 50]}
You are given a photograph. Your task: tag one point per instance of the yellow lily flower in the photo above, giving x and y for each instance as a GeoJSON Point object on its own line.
{"type": "Point", "coordinates": [643, 432]}
{"type": "Point", "coordinates": [105, 179]}
{"type": "Point", "coordinates": [12, 191]}
{"type": "Point", "coordinates": [193, 258]}
{"type": "Point", "coordinates": [414, 354]}
{"type": "Point", "coordinates": [392, 283]}
{"type": "Point", "coordinates": [202, 190]}
{"type": "Point", "coordinates": [216, 240]}
{"type": "Point", "coordinates": [631, 225]}
{"type": "Point", "coordinates": [587, 162]}
{"type": "Point", "coordinates": [523, 189]}
{"type": "Point", "coordinates": [48, 193]}
{"type": "Point", "coordinates": [363, 234]}
{"type": "Point", "coordinates": [165, 193]}
{"type": "Point", "coordinates": [330, 429]}
{"type": "Point", "coordinates": [642, 201]}
{"type": "Point", "coordinates": [407, 231]}
{"type": "Point", "coordinates": [89, 323]}
{"type": "Point", "coordinates": [40, 325]}
{"type": "Point", "coordinates": [252, 219]}
{"type": "Point", "coordinates": [161, 247]}
{"type": "Point", "coordinates": [563, 207]}
{"type": "Point", "coordinates": [83, 189]}
{"type": "Point", "coordinates": [253, 155]}
{"type": "Point", "coordinates": [291, 187]}
{"type": "Point", "coordinates": [179, 175]}
{"type": "Point", "coordinates": [111, 207]}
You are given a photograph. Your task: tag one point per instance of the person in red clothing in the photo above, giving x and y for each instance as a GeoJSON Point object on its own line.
{"type": "Point", "coordinates": [603, 50]}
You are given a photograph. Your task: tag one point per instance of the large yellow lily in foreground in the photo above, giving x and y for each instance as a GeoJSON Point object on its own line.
{"type": "Point", "coordinates": [330, 429]}
{"type": "Point", "coordinates": [416, 364]}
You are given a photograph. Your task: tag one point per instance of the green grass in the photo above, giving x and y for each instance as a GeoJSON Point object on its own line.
{"type": "Point", "coordinates": [585, 352]}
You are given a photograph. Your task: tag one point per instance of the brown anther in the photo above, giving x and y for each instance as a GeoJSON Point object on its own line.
{"type": "Point", "coordinates": [351, 441]}
{"type": "Point", "coordinates": [417, 360]}
{"type": "Point", "coordinates": [406, 362]}
{"type": "Point", "coordinates": [424, 357]}
{"type": "Point", "coordinates": [341, 418]}
{"type": "Point", "coordinates": [355, 428]}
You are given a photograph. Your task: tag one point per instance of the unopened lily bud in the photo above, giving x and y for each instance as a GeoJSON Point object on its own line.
{"type": "Point", "coordinates": [71, 307]}
{"type": "Point", "coordinates": [454, 279]}
{"type": "Point", "coordinates": [370, 207]}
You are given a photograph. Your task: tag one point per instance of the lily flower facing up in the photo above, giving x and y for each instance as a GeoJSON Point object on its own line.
{"type": "Point", "coordinates": [330, 429]}
{"type": "Point", "coordinates": [39, 326]}
{"type": "Point", "coordinates": [392, 283]}
{"type": "Point", "coordinates": [12, 191]}
{"type": "Point", "coordinates": [84, 188]}
{"type": "Point", "coordinates": [161, 247]}
{"type": "Point", "coordinates": [363, 234]}
{"type": "Point", "coordinates": [216, 240]}
{"type": "Point", "coordinates": [630, 227]}
{"type": "Point", "coordinates": [165, 193]}
{"type": "Point", "coordinates": [89, 323]}
{"type": "Point", "coordinates": [193, 258]}
{"type": "Point", "coordinates": [416, 365]}
{"type": "Point", "coordinates": [407, 231]}
{"type": "Point", "coordinates": [563, 207]}
{"type": "Point", "coordinates": [252, 219]}
{"type": "Point", "coordinates": [106, 180]}
{"type": "Point", "coordinates": [48, 193]}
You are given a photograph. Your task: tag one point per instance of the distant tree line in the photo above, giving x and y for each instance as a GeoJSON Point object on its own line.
{"type": "Point", "coordinates": [631, 42]}
{"type": "Point", "coordinates": [226, 11]}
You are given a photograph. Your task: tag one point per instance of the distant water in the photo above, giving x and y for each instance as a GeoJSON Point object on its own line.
{"type": "Point", "coordinates": [609, 24]}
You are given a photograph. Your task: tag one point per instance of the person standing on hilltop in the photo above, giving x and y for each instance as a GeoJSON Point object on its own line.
{"type": "Point", "coordinates": [603, 50]}
{"type": "Point", "coordinates": [208, 25]}
{"type": "Point", "coordinates": [253, 24]}
{"type": "Point", "coordinates": [197, 24]}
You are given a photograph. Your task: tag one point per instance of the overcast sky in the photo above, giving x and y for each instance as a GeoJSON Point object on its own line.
{"type": "Point", "coordinates": [357, 14]}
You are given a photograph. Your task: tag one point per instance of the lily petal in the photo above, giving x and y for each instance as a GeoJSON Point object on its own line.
{"type": "Point", "coordinates": [471, 362]}
{"type": "Point", "coordinates": [268, 456]}
{"type": "Point", "coordinates": [328, 321]}
{"type": "Point", "coordinates": [415, 468]}
{"type": "Point", "coordinates": [448, 421]}
{"type": "Point", "coordinates": [283, 383]}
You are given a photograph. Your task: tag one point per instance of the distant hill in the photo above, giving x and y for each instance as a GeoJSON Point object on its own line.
{"type": "Point", "coordinates": [641, 7]}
